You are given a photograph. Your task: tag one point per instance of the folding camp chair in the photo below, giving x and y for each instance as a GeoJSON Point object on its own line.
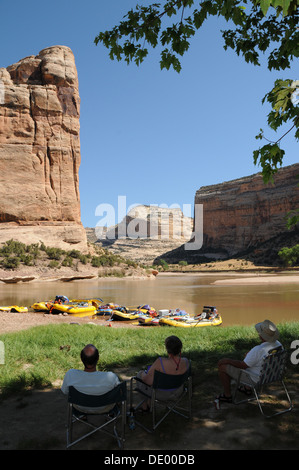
{"type": "Point", "coordinates": [117, 396]}
{"type": "Point", "coordinates": [272, 371]}
{"type": "Point", "coordinates": [164, 382]}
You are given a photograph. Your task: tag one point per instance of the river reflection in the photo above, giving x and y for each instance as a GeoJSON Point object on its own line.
{"type": "Point", "coordinates": [238, 304]}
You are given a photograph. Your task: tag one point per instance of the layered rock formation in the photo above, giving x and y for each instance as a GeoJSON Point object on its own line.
{"type": "Point", "coordinates": [243, 213]}
{"type": "Point", "coordinates": [145, 233]}
{"type": "Point", "coordinates": [40, 150]}
{"type": "Point", "coordinates": [156, 223]}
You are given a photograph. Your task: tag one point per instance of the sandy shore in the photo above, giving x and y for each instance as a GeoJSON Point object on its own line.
{"type": "Point", "coordinates": [14, 321]}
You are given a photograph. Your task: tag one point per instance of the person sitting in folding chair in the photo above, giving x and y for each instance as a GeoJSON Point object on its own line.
{"type": "Point", "coordinates": [90, 380]}
{"type": "Point", "coordinates": [174, 364]}
{"type": "Point", "coordinates": [229, 369]}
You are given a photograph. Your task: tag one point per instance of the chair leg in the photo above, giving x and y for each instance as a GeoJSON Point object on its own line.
{"type": "Point", "coordinates": [257, 398]}
{"type": "Point", "coordinates": [123, 424]}
{"type": "Point", "coordinates": [245, 400]}
{"type": "Point", "coordinates": [132, 419]}
{"type": "Point", "coordinates": [69, 430]}
{"type": "Point", "coordinates": [173, 407]}
{"type": "Point", "coordinates": [285, 410]}
{"type": "Point", "coordinates": [111, 421]}
{"type": "Point", "coordinates": [190, 396]}
{"type": "Point", "coordinates": [153, 410]}
{"type": "Point", "coordinates": [120, 439]}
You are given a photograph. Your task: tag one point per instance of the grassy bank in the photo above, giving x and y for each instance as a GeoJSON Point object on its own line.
{"type": "Point", "coordinates": [39, 357]}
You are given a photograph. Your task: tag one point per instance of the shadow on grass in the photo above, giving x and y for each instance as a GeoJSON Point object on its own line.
{"type": "Point", "coordinates": [33, 415]}
{"type": "Point", "coordinates": [204, 363]}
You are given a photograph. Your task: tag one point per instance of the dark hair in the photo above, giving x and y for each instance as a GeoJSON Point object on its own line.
{"type": "Point", "coordinates": [91, 358]}
{"type": "Point", "coordinates": [173, 345]}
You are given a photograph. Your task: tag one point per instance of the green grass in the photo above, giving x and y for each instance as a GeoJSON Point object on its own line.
{"type": "Point", "coordinates": [40, 356]}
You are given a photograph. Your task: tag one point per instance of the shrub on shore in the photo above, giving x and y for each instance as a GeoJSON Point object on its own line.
{"type": "Point", "coordinates": [14, 254]}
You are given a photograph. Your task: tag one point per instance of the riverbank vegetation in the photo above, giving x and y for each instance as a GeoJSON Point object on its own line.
{"type": "Point", "coordinates": [40, 356]}
{"type": "Point", "coordinates": [15, 254]}
{"type": "Point", "coordinates": [228, 265]}
{"type": "Point", "coordinates": [290, 256]}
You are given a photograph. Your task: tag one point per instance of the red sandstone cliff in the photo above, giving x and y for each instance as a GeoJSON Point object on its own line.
{"type": "Point", "coordinates": [40, 150]}
{"type": "Point", "coordinates": [243, 213]}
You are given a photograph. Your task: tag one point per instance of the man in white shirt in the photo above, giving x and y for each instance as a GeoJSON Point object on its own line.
{"type": "Point", "coordinates": [90, 380]}
{"type": "Point", "coordinates": [230, 369]}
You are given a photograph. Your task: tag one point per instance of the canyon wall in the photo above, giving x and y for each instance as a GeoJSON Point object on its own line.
{"type": "Point", "coordinates": [40, 150]}
{"type": "Point", "coordinates": [243, 213]}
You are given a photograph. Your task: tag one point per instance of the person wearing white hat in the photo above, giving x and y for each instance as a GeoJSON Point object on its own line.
{"type": "Point", "coordinates": [229, 369]}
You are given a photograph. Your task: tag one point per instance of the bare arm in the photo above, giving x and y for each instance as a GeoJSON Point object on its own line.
{"type": "Point", "coordinates": [148, 377]}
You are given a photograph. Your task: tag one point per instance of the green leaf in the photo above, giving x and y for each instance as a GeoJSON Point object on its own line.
{"type": "Point", "coordinates": [265, 4]}
{"type": "Point", "coordinates": [285, 6]}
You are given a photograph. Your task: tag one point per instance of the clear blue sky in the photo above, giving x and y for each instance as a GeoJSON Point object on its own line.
{"type": "Point", "coordinates": [152, 136]}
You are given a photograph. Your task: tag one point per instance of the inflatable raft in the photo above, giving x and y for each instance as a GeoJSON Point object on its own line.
{"type": "Point", "coordinates": [14, 308]}
{"type": "Point", "coordinates": [40, 306]}
{"type": "Point", "coordinates": [133, 313]}
{"type": "Point", "coordinates": [208, 317]}
{"type": "Point", "coordinates": [62, 304]}
{"type": "Point", "coordinates": [110, 308]}
{"type": "Point", "coordinates": [96, 302]}
{"type": "Point", "coordinates": [149, 319]}
{"type": "Point", "coordinates": [191, 322]}
{"type": "Point", "coordinates": [75, 309]}
{"type": "Point", "coordinates": [104, 311]}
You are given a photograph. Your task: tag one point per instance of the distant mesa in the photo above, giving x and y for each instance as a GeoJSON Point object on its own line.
{"type": "Point", "coordinates": [40, 151]}
{"type": "Point", "coordinates": [145, 233]}
{"type": "Point", "coordinates": [149, 222]}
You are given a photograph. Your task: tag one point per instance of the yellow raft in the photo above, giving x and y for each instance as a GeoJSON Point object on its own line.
{"type": "Point", "coordinates": [148, 320]}
{"type": "Point", "coordinates": [191, 323]}
{"type": "Point", "coordinates": [119, 315]}
{"type": "Point", "coordinates": [72, 309]}
{"type": "Point", "coordinates": [83, 312]}
{"type": "Point", "coordinates": [76, 307]}
{"type": "Point", "coordinates": [131, 313]}
{"type": "Point", "coordinates": [14, 308]}
{"type": "Point", "coordinates": [154, 319]}
{"type": "Point", "coordinates": [95, 302]}
{"type": "Point", "coordinates": [40, 306]}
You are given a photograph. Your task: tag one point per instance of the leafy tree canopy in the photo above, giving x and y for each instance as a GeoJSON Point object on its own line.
{"type": "Point", "coordinates": [255, 27]}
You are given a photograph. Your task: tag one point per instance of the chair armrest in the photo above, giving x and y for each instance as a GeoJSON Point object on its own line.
{"type": "Point", "coordinates": [137, 379]}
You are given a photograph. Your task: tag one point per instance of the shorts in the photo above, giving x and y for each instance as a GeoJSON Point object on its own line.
{"type": "Point", "coordinates": [166, 395]}
{"type": "Point", "coordinates": [234, 373]}
{"type": "Point", "coordinates": [95, 411]}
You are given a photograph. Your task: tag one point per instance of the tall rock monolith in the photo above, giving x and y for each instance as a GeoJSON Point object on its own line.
{"type": "Point", "coordinates": [40, 150]}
